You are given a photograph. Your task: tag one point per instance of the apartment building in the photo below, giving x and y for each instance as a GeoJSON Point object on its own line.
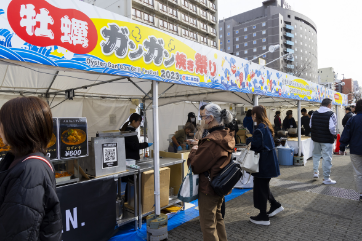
{"type": "Point", "coordinates": [249, 34]}
{"type": "Point", "coordinates": [195, 20]}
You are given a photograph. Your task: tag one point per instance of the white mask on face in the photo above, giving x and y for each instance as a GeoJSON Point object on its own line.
{"type": "Point", "coordinates": [193, 119]}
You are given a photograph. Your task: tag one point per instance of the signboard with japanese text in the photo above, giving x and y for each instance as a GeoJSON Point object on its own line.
{"type": "Point", "coordinates": [72, 138]}
{"type": "Point", "coordinates": [77, 35]}
{"type": "Point", "coordinates": [52, 148]}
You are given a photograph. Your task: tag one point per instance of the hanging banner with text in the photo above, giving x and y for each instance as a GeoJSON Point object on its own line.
{"type": "Point", "coordinates": [77, 35]}
{"type": "Point", "coordinates": [88, 210]}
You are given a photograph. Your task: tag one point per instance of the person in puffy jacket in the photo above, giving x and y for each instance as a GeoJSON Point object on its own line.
{"type": "Point", "coordinates": [211, 155]}
{"type": "Point", "coordinates": [248, 122]}
{"type": "Point", "coordinates": [262, 142]}
{"type": "Point", "coordinates": [29, 205]}
{"type": "Point", "coordinates": [351, 136]}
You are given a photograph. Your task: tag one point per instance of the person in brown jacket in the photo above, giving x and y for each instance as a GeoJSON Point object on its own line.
{"type": "Point", "coordinates": [211, 155]}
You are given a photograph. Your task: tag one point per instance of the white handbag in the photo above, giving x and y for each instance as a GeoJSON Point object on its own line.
{"type": "Point", "coordinates": [189, 190]}
{"type": "Point", "coordinates": [248, 160]}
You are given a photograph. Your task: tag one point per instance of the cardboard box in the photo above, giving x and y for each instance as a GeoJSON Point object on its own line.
{"type": "Point", "coordinates": [148, 189]}
{"type": "Point", "coordinates": [241, 132]}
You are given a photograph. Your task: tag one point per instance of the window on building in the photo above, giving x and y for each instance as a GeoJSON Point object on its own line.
{"type": "Point", "coordinates": [246, 58]}
{"type": "Point", "coordinates": [133, 12]}
{"type": "Point", "coordinates": [229, 41]}
{"type": "Point", "coordinates": [301, 28]}
{"type": "Point", "coordinates": [245, 51]}
{"type": "Point", "coordinates": [237, 46]}
{"type": "Point", "coordinates": [288, 16]}
{"type": "Point", "coordinates": [254, 27]}
{"type": "Point", "coordinates": [220, 29]}
{"type": "Point", "coordinates": [237, 31]}
{"type": "Point", "coordinates": [264, 39]}
{"type": "Point", "coordinates": [228, 26]}
{"type": "Point", "coordinates": [296, 50]}
{"type": "Point", "coordinates": [264, 56]}
{"type": "Point", "coordinates": [254, 56]}
{"type": "Point", "coordinates": [254, 34]}
{"type": "Point", "coordinates": [237, 39]}
{"type": "Point", "coordinates": [161, 23]}
{"type": "Point", "coordinates": [245, 44]}
{"type": "Point", "coordinates": [263, 24]}
{"type": "Point", "coordinates": [237, 53]}
{"type": "Point", "coordinates": [264, 47]}
{"type": "Point", "coordinates": [254, 49]}
{"type": "Point", "coordinates": [296, 41]}
{"type": "Point", "coordinates": [281, 21]}
{"type": "Point", "coordinates": [254, 42]}
{"type": "Point", "coordinates": [151, 19]}
{"type": "Point", "coordinates": [228, 34]}
{"type": "Point", "coordinates": [220, 42]}
{"type": "Point", "coordinates": [220, 49]}
{"type": "Point", "coordinates": [220, 35]}
{"type": "Point", "coordinates": [228, 48]}
{"type": "Point", "coordinates": [246, 36]}
{"type": "Point", "coordinates": [245, 29]}
{"type": "Point", "coordinates": [263, 32]}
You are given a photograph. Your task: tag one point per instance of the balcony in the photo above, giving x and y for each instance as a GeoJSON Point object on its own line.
{"type": "Point", "coordinates": [289, 42]}
{"type": "Point", "coordinates": [212, 31]}
{"type": "Point", "coordinates": [290, 66]}
{"type": "Point", "coordinates": [290, 35]}
{"type": "Point", "coordinates": [291, 51]}
{"type": "Point", "coordinates": [212, 6]}
{"type": "Point", "coordinates": [147, 3]}
{"type": "Point", "coordinates": [287, 26]}
{"type": "Point", "coordinates": [288, 58]}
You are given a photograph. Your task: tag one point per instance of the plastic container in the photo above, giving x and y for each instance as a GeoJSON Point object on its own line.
{"type": "Point", "coordinates": [286, 156]}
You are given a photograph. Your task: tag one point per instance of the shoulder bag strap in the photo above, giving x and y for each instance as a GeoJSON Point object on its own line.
{"type": "Point", "coordinates": [40, 158]}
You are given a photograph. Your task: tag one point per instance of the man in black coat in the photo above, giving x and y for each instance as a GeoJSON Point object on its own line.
{"type": "Point", "coordinates": [348, 115]}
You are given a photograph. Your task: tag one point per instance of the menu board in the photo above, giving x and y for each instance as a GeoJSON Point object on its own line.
{"type": "Point", "coordinates": [52, 148]}
{"type": "Point", "coordinates": [3, 149]}
{"type": "Point", "coordinates": [73, 138]}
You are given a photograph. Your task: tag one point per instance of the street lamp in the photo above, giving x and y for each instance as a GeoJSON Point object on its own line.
{"type": "Point", "coordinates": [272, 49]}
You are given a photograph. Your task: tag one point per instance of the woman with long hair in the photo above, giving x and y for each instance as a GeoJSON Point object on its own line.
{"type": "Point", "coordinates": [133, 146]}
{"type": "Point", "coordinates": [262, 143]}
{"type": "Point", "coordinates": [29, 205]}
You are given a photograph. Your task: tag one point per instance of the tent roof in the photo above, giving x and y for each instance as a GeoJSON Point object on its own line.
{"type": "Point", "coordinates": [28, 78]}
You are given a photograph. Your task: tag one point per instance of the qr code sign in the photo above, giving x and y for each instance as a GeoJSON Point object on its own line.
{"type": "Point", "coordinates": [109, 154]}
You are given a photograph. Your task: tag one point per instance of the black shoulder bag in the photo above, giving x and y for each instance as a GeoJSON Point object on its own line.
{"type": "Point", "coordinates": [226, 179]}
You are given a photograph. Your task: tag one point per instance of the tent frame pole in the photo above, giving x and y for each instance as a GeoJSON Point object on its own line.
{"type": "Point", "coordinates": [299, 129]}
{"type": "Point", "coordinates": [156, 148]}
{"type": "Point", "coordinates": [256, 100]}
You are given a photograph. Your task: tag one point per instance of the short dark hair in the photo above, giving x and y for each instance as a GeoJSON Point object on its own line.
{"type": "Point", "coordinates": [348, 108]}
{"type": "Point", "coordinates": [191, 114]}
{"type": "Point", "coordinates": [27, 125]}
{"type": "Point", "coordinates": [289, 112]}
{"type": "Point", "coordinates": [358, 106]}
{"type": "Point", "coordinates": [310, 112]}
{"type": "Point", "coordinates": [304, 110]}
{"type": "Point", "coordinates": [326, 102]}
{"type": "Point", "coordinates": [249, 112]}
{"type": "Point", "coordinates": [277, 112]}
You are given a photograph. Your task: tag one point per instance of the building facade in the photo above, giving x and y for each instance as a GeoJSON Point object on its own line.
{"type": "Point", "coordinates": [250, 34]}
{"type": "Point", "coordinates": [326, 75]}
{"type": "Point", "coordinates": [195, 20]}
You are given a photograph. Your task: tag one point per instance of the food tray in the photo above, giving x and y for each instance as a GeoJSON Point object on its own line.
{"type": "Point", "coordinates": [62, 179]}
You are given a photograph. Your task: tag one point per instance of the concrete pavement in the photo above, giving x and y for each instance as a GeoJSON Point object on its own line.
{"type": "Point", "coordinates": [312, 211]}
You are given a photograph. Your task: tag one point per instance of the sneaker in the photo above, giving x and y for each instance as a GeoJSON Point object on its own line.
{"type": "Point", "coordinates": [329, 181]}
{"type": "Point", "coordinates": [316, 175]}
{"type": "Point", "coordinates": [275, 210]}
{"type": "Point", "coordinates": [260, 219]}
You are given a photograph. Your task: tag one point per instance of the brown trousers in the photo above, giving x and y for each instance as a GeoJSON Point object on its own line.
{"type": "Point", "coordinates": [211, 221]}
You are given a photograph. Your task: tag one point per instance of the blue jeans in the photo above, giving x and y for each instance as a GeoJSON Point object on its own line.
{"type": "Point", "coordinates": [324, 150]}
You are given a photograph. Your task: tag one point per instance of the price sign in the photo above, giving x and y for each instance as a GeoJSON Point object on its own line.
{"type": "Point", "coordinates": [73, 137]}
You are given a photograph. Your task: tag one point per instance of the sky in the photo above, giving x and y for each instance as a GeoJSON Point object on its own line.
{"type": "Point", "coordinates": [338, 25]}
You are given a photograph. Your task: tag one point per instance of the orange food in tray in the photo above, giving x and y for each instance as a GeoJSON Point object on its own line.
{"type": "Point", "coordinates": [3, 147]}
{"type": "Point", "coordinates": [52, 141]}
{"type": "Point", "coordinates": [73, 136]}
{"type": "Point", "coordinates": [62, 174]}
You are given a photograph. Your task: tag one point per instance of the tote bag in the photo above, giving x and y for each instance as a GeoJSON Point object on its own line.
{"type": "Point", "coordinates": [189, 190]}
{"type": "Point", "coordinates": [249, 160]}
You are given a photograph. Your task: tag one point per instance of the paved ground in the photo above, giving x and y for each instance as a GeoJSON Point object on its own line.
{"type": "Point", "coordinates": [312, 211]}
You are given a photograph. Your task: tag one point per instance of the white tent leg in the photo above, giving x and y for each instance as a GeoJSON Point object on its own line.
{"type": "Point", "coordinates": [299, 130]}
{"type": "Point", "coordinates": [256, 100]}
{"type": "Point", "coordinates": [156, 148]}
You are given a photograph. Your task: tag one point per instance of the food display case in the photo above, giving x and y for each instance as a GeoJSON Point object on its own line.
{"type": "Point", "coordinates": [107, 155]}
{"type": "Point", "coordinates": [66, 171]}
{"type": "Point", "coordinates": [3, 149]}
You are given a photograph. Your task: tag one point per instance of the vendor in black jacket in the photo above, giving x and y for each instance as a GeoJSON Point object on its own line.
{"type": "Point", "coordinates": [289, 121]}
{"type": "Point", "coordinates": [133, 146]}
{"type": "Point", "coordinates": [29, 205]}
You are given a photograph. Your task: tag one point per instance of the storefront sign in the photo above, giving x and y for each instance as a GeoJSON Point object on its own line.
{"type": "Point", "coordinates": [88, 210]}
{"type": "Point", "coordinates": [73, 137]}
{"type": "Point", "coordinates": [77, 35]}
